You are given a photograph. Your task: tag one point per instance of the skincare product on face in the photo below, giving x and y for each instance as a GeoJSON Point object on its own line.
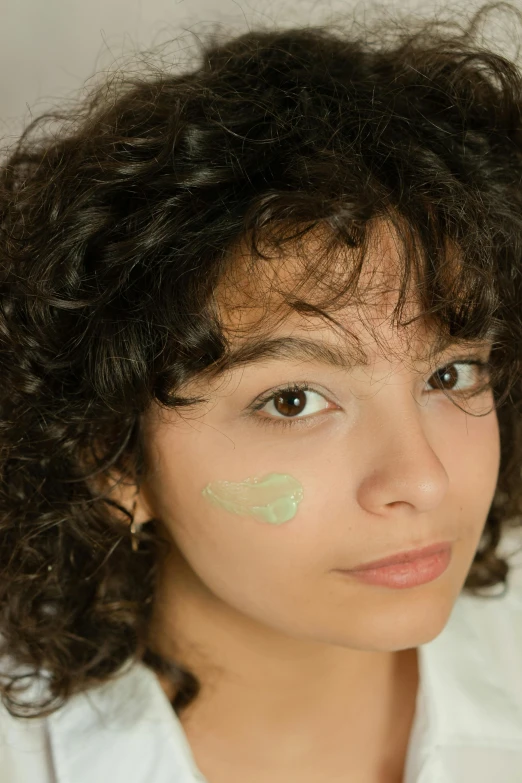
{"type": "Point", "coordinates": [272, 498]}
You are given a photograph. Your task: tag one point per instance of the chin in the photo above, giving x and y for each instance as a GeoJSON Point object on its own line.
{"type": "Point", "coordinates": [394, 619]}
{"type": "Point", "coordinates": [413, 623]}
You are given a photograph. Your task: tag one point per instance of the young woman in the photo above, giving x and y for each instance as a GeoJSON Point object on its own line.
{"type": "Point", "coordinates": [260, 330]}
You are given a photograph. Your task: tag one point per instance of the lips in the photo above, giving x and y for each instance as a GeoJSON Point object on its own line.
{"type": "Point", "coordinates": [404, 557]}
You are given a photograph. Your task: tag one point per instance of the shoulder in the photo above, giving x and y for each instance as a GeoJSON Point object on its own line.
{"type": "Point", "coordinates": [126, 726]}
{"type": "Point", "coordinates": [24, 745]}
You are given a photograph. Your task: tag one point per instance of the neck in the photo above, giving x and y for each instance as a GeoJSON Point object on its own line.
{"type": "Point", "coordinates": [262, 688]}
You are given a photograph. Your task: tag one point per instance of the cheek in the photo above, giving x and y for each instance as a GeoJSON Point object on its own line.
{"type": "Point", "coordinates": [472, 459]}
{"type": "Point", "coordinates": [253, 565]}
{"type": "Point", "coordinates": [229, 550]}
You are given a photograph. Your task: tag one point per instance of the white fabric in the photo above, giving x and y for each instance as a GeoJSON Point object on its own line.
{"type": "Point", "coordinates": [467, 727]}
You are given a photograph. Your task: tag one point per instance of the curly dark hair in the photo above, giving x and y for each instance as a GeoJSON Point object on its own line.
{"type": "Point", "coordinates": [117, 222]}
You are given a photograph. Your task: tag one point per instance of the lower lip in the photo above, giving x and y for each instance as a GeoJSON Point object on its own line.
{"type": "Point", "coordinates": [403, 575]}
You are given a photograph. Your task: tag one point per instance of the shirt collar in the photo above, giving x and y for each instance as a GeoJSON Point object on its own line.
{"type": "Point", "coordinates": [123, 730]}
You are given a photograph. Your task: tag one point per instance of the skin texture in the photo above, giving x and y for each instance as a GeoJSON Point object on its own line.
{"type": "Point", "coordinates": [308, 675]}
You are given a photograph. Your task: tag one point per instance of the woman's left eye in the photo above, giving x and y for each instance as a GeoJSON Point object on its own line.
{"type": "Point", "coordinates": [447, 377]}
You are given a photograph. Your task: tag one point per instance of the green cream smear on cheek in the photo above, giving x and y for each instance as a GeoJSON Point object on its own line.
{"type": "Point", "coordinates": [272, 498]}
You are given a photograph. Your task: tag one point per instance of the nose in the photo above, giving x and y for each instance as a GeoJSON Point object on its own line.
{"type": "Point", "coordinates": [405, 475]}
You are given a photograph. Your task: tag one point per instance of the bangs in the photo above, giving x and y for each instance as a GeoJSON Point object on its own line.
{"type": "Point", "coordinates": [337, 262]}
{"type": "Point", "coordinates": [315, 269]}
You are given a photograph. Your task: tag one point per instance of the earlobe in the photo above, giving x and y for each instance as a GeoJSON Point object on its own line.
{"type": "Point", "coordinates": [131, 498]}
{"type": "Point", "coordinates": [140, 508]}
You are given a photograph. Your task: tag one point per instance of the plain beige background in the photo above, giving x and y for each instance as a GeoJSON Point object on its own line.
{"type": "Point", "coordinates": [49, 48]}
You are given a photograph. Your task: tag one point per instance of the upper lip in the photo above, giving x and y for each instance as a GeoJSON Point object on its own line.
{"type": "Point", "coordinates": [404, 557]}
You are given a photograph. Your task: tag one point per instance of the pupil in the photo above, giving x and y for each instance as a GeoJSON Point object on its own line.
{"type": "Point", "coordinates": [290, 403]}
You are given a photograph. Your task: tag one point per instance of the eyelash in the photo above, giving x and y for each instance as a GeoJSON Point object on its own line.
{"type": "Point", "coordinates": [304, 386]}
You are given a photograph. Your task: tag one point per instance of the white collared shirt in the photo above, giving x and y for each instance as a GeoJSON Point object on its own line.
{"type": "Point", "coordinates": [467, 726]}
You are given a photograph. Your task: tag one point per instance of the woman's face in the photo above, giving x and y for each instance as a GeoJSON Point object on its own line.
{"type": "Point", "coordinates": [387, 463]}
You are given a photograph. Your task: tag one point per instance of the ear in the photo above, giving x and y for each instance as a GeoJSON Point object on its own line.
{"type": "Point", "coordinates": [127, 494]}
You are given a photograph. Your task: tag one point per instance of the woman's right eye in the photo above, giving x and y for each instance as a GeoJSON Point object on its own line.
{"type": "Point", "coordinates": [293, 403]}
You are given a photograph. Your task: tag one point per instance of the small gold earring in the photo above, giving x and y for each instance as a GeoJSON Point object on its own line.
{"type": "Point", "coordinates": [134, 530]}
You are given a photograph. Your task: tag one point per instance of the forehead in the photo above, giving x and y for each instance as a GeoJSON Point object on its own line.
{"type": "Point", "coordinates": [278, 294]}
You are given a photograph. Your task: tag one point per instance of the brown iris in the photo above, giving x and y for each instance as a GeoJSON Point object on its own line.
{"type": "Point", "coordinates": [290, 403]}
{"type": "Point", "coordinates": [442, 375]}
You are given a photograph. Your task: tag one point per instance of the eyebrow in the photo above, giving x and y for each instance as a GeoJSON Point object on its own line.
{"type": "Point", "coordinates": [346, 357]}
